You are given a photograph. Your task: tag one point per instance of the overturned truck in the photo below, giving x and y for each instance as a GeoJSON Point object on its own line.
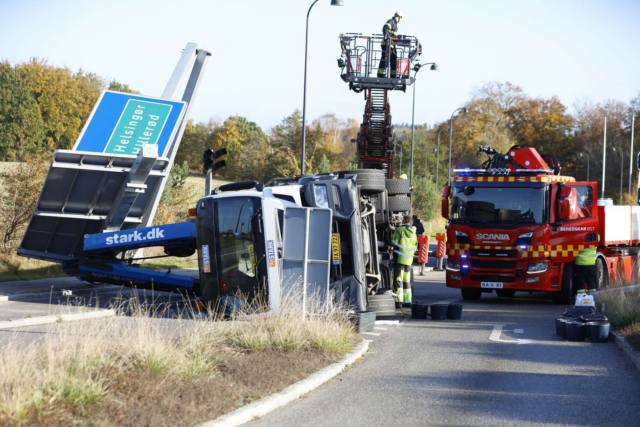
{"type": "Point", "coordinates": [327, 233]}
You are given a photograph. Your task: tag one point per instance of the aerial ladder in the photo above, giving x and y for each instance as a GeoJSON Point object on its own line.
{"type": "Point", "coordinates": [363, 69]}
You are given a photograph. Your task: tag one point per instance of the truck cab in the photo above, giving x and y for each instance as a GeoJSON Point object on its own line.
{"type": "Point", "coordinates": [241, 231]}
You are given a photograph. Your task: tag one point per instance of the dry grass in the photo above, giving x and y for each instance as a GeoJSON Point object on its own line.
{"type": "Point", "coordinates": [622, 308]}
{"type": "Point", "coordinates": [622, 304]}
{"type": "Point", "coordinates": [149, 370]}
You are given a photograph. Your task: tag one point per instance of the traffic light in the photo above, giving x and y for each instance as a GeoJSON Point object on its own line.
{"type": "Point", "coordinates": [209, 157]}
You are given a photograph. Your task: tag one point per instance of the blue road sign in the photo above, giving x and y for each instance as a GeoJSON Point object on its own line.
{"type": "Point", "coordinates": [121, 122]}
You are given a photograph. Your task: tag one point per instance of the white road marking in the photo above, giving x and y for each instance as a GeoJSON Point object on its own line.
{"type": "Point", "coordinates": [380, 329]}
{"type": "Point", "coordinates": [388, 322]}
{"type": "Point", "coordinates": [518, 331]}
{"type": "Point", "coordinates": [370, 333]}
{"type": "Point", "coordinates": [497, 331]}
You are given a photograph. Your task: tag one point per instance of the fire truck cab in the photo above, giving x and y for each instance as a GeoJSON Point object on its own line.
{"type": "Point", "coordinates": [517, 225]}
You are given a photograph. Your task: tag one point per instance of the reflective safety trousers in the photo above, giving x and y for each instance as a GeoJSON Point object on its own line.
{"type": "Point", "coordinates": [406, 243]}
{"type": "Point", "coordinates": [587, 256]}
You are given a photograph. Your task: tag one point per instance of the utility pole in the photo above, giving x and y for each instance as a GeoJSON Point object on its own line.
{"type": "Point", "coordinates": [604, 156]}
{"type": "Point", "coordinates": [633, 120]}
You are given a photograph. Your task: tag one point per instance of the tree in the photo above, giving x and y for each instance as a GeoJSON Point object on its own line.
{"type": "Point", "coordinates": [120, 87]}
{"type": "Point", "coordinates": [65, 99]}
{"type": "Point", "coordinates": [425, 198]}
{"type": "Point", "coordinates": [20, 188]}
{"type": "Point", "coordinates": [21, 126]}
{"type": "Point", "coordinates": [324, 166]}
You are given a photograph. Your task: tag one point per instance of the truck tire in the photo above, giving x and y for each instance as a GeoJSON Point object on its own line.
{"type": "Point", "coordinates": [399, 204]}
{"type": "Point", "coordinates": [398, 186]}
{"type": "Point", "coordinates": [505, 293]}
{"type": "Point", "coordinates": [383, 305]}
{"type": "Point", "coordinates": [565, 294]}
{"type": "Point", "coordinates": [369, 180]}
{"type": "Point", "coordinates": [602, 276]}
{"type": "Point", "coordinates": [471, 294]}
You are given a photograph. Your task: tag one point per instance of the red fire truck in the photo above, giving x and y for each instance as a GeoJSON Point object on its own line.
{"type": "Point", "coordinates": [516, 224]}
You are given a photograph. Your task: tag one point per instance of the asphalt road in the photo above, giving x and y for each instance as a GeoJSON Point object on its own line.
{"type": "Point", "coordinates": [432, 373]}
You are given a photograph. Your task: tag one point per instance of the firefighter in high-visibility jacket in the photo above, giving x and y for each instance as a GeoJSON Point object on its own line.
{"type": "Point", "coordinates": [584, 271]}
{"type": "Point", "coordinates": [405, 242]}
{"type": "Point", "coordinates": [388, 46]}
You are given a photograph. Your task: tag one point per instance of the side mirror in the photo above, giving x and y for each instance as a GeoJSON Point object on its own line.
{"type": "Point", "coordinates": [567, 203]}
{"type": "Point", "coordinates": [564, 209]}
{"type": "Point", "coordinates": [444, 206]}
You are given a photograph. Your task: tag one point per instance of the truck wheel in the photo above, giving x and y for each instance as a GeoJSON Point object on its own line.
{"type": "Point", "coordinates": [398, 186]}
{"type": "Point", "coordinates": [602, 278]}
{"type": "Point", "coordinates": [505, 293]}
{"type": "Point", "coordinates": [383, 305]}
{"type": "Point", "coordinates": [399, 203]}
{"type": "Point", "coordinates": [369, 180]}
{"type": "Point", "coordinates": [471, 294]}
{"type": "Point", "coordinates": [565, 294]}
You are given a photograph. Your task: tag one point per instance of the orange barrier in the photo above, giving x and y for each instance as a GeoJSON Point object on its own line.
{"type": "Point", "coordinates": [442, 243]}
{"type": "Point", "coordinates": [423, 249]}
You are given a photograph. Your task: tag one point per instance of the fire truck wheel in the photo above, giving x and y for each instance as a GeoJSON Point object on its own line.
{"type": "Point", "coordinates": [398, 186]}
{"type": "Point", "coordinates": [565, 294]}
{"type": "Point", "coordinates": [383, 305]}
{"type": "Point", "coordinates": [505, 293]}
{"type": "Point", "coordinates": [400, 204]}
{"type": "Point", "coordinates": [602, 278]}
{"type": "Point", "coordinates": [369, 180]}
{"type": "Point", "coordinates": [471, 294]}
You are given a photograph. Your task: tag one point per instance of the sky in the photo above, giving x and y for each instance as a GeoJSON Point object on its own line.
{"type": "Point", "coordinates": [573, 49]}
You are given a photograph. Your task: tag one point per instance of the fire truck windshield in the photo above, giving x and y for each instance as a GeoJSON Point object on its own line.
{"type": "Point", "coordinates": [499, 205]}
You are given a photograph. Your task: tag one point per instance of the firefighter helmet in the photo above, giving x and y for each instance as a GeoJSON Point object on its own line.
{"type": "Point", "coordinates": [399, 13]}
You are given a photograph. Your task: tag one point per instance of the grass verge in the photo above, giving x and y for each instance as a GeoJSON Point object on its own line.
{"type": "Point", "coordinates": [14, 267]}
{"type": "Point", "coordinates": [622, 308]}
{"type": "Point", "coordinates": [150, 370]}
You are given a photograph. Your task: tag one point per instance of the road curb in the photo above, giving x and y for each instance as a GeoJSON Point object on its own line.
{"type": "Point", "coordinates": [627, 348]}
{"type": "Point", "coordinates": [52, 294]}
{"type": "Point", "coordinates": [44, 320]}
{"type": "Point", "coordinates": [289, 394]}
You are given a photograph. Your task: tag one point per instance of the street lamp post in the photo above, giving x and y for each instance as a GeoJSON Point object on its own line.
{"type": "Point", "coordinates": [438, 158]}
{"type": "Point", "coordinates": [464, 110]}
{"type": "Point", "coordinates": [633, 121]}
{"type": "Point", "coordinates": [588, 160]}
{"type": "Point", "coordinates": [621, 169]}
{"type": "Point", "coordinates": [604, 156]}
{"type": "Point", "coordinates": [304, 98]}
{"type": "Point", "coordinates": [426, 160]}
{"type": "Point", "coordinates": [434, 67]}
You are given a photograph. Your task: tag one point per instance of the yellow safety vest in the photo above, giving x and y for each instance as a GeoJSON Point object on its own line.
{"type": "Point", "coordinates": [587, 256]}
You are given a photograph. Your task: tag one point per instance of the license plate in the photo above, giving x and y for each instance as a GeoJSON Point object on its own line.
{"type": "Point", "coordinates": [491, 285]}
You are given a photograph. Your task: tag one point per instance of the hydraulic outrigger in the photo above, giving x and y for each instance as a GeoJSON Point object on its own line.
{"type": "Point", "coordinates": [360, 63]}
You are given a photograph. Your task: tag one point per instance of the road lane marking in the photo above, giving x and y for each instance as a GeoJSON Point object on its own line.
{"type": "Point", "coordinates": [370, 333]}
{"type": "Point", "coordinates": [497, 331]}
{"type": "Point", "coordinates": [388, 322]}
{"type": "Point", "coordinates": [518, 331]}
